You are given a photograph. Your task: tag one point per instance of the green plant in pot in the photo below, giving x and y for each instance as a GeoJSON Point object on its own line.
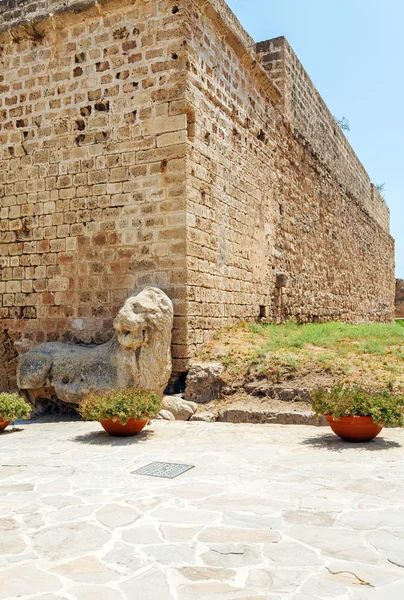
{"type": "Point", "coordinates": [12, 407]}
{"type": "Point", "coordinates": [356, 414]}
{"type": "Point", "coordinates": [121, 412]}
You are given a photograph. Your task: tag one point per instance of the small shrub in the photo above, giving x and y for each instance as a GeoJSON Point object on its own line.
{"type": "Point", "coordinates": [345, 401]}
{"type": "Point", "coordinates": [13, 407]}
{"type": "Point", "coordinates": [120, 405]}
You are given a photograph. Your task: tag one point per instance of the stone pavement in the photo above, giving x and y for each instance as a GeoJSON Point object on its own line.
{"type": "Point", "coordinates": [269, 511]}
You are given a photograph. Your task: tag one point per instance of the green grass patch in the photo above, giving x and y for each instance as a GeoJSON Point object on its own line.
{"type": "Point", "coordinates": [369, 354]}
{"type": "Point", "coordinates": [365, 338]}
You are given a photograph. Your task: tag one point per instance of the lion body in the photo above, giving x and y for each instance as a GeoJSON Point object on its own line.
{"type": "Point", "coordinates": [138, 355]}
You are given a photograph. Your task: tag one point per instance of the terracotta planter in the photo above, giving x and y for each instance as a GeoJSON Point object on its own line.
{"type": "Point", "coordinates": [355, 429]}
{"type": "Point", "coordinates": [3, 425]}
{"type": "Point", "coordinates": [132, 427]}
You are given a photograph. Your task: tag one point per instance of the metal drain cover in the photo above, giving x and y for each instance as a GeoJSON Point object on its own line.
{"type": "Point", "coordinates": [163, 469]}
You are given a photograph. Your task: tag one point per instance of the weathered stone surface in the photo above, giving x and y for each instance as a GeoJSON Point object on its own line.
{"type": "Point", "coordinates": [96, 592]}
{"type": "Point", "coordinates": [122, 556]}
{"type": "Point", "coordinates": [19, 581]}
{"type": "Point", "coordinates": [220, 535]}
{"type": "Point", "coordinates": [8, 362]}
{"type": "Point", "coordinates": [390, 544]}
{"type": "Point", "coordinates": [373, 519]}
{"type": "Point", "coordinates": [142, 534]}
{"type": "Point", "coordinates": [87, 569]}
{"type": "Point", "coordinates": [373, 576]}
{"type": "Point", "coordinates": [291, 554]}
{"type": "Point", "coordinates": [172, 555]}
{"type": "Point", "coordinates": [309, 517]}
{"type": "Point", "coordinates": [151, 585]}
{"type": "Point", "coordinates": [194, 405]}
{"type": "Point", "coordinates": [50, 597]}
{"type": "Point", "coordinates": [175, 533]}
{"type": "Point", "coordinates": [338, 543]}
{"type": "Point", "coordinates": [276, 580]}
{"type": "Point", "coordinates": [204, 382]}
{"type": "Point", "coordinates": [70, 513]}
{"type": "Point", "coordinates": [181, 409]}
{"type": "Point", "coordinates": [214, 591]}
{"type": "Point", "coordinates": [278, 392]}
{"type": "Point", "coordinates": [179, 515]}
{"type": "Point", "coordinates": [11, 542]}
{"type": "Point", "coordinates": [69, 540]}
{"type": "Point", "coordinates": [231, 555]}
{"type": "Point", "coordinates": [238, 415]}
{"type": "Point", "coordinates": [399, 298]}
{"type": "Point", "coordinates": [166, 415]}
{"type": "Point", "coordinates": [116, 515]}
{"type": "Point", "coordinates": [254, 514]}
{"type": "Point", "coordinates": [203, 573]}
{"type": "Point", "coordinates": [206, 417]}
{"type": "Point", "coordinates": [137, 356]}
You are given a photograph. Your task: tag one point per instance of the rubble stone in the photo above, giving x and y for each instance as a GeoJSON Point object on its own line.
{"type": "Point", "coordinates": [204, 382]}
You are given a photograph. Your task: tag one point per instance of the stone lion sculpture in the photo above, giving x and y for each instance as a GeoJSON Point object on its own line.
{"type": "Point", "coordinates": [138, 355]}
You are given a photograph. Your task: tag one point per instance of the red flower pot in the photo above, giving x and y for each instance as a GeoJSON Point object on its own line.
{"type": "Point", "coordinates": [132, 427]}
{"type": "Point", "coordinates": [355, 429]}
{"type": "Point", "coordinates": [3, 425]}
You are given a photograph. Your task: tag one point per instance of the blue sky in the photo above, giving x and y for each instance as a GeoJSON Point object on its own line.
{"type": "Point", "coordinates": [353, 51]}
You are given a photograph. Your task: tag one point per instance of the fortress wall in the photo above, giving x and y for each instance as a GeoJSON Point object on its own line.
{"type": "Point", "coordinates": [92, 134]}
{"type": "Point", "coordinates": [310, 117]}
{"type": "Point", "coordinates": [340, 261]}
{"type": "Point", "coordinates": [143, 143]}
{"type": "Point", "coordinates": [266, 201]}
{"type": "Point", "coordinates": [231, 175]}
{"type": "Point", "coordinates": [399, 298]}
{"type": "Point", "coordinates": [14, 13]}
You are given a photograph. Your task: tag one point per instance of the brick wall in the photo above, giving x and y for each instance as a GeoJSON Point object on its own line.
{"type": "Point", "coordinates": [92, 133]}
{"type": "Point", "coordinates": [8, 362]}
{"type": "Point", "coordinates": [400, 298]}
{"type": "Point", "coordinates": [230, 175]}
{"type": "Point", "coordinates": [18, 12]}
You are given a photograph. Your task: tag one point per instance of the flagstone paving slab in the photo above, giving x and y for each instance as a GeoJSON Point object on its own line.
{"type": "Point", "coordinates": [269, 512]}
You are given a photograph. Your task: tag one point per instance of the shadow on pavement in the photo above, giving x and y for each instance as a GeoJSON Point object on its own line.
{"type": "Point", "coordinates": [52, 418]}
{"type": "Point", "coordinates": [10, 429]}
{"type": "Point", "coordinates": [102, 438]}
{"type": "Point", "coordinates": [335, 444]}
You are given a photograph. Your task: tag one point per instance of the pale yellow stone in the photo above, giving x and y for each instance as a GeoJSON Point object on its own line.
{"type": "Point", "coordinates": [215, 591]}
{"type": "Point", "coordinates": [220, 535]}
{"type": "Point", "coordinates": [116, 515]}
{"type": "Point", "coordinates": [174, 533]}
{"type": "Point", "coordinates": [23, 580]}
{"type": "Point", "coordinates": [203, 573]}
{"type": "Point", "coordinates": [11, 542]}
{"type": "Point", "coordinates": [95, 592]}
{"type": "Point", "coordinates": [72, 539]}
{"type": "Point", "coordinates": [87, 569]}
{"type": "Point", "coordinates": [164, 124]}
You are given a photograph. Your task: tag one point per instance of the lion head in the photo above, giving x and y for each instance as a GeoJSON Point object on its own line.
{"type": "Point", "coordinates": [143, 315]}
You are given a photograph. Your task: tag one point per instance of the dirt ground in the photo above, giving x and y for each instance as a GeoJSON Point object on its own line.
{"type": "Point", "coordinates": [310, 356]}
